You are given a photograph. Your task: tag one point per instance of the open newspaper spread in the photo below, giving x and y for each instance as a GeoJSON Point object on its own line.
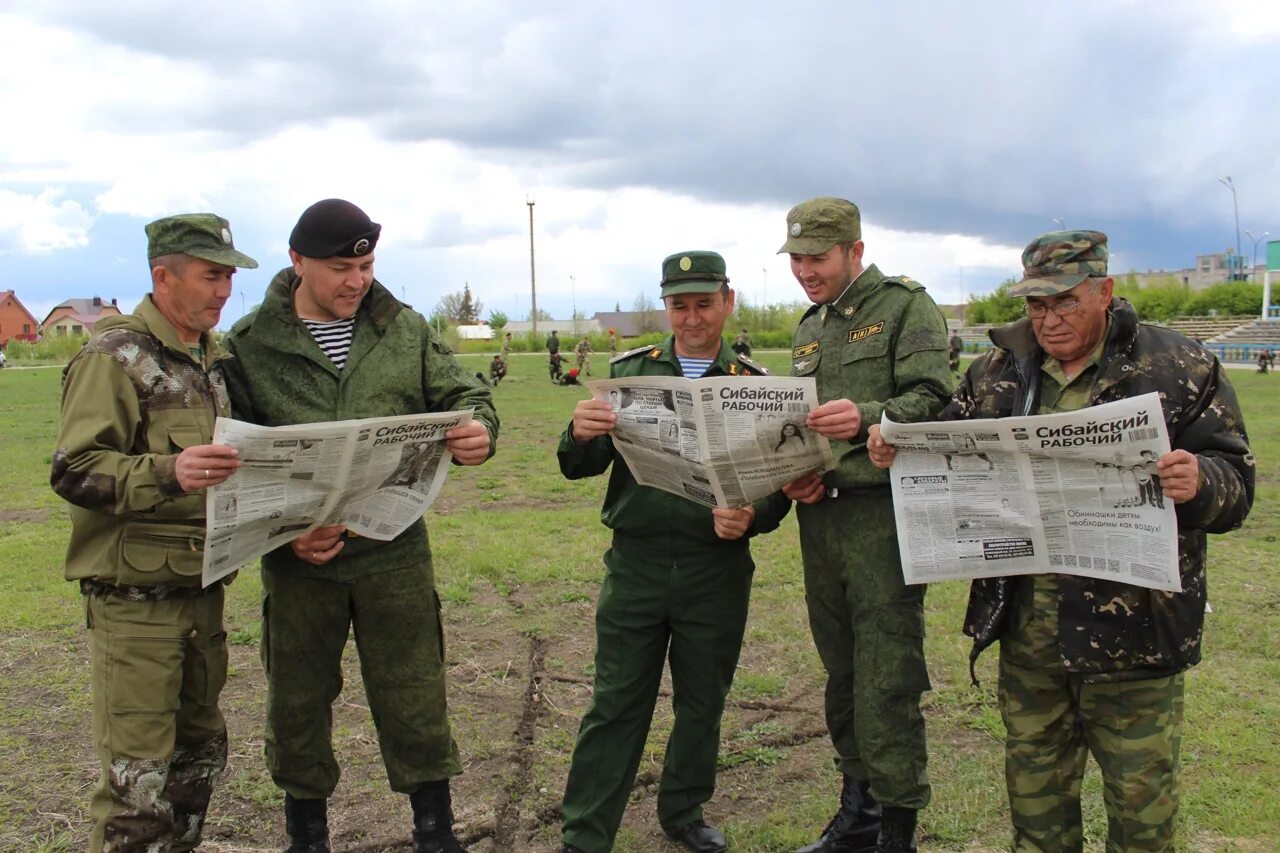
{"type": "Point", "coordinates": [717, 441]}
{"type": "Point", "coordinates": [1075, 492]}
{"type": "Point", "coordinates": [375, 476]}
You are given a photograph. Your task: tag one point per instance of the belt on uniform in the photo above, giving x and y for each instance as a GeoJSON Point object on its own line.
{"type": "Point", "coordinates": [157, 592]}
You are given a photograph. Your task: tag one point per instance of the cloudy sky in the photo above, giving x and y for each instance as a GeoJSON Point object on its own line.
{"type": "Point", "coordinates": [962, 130]}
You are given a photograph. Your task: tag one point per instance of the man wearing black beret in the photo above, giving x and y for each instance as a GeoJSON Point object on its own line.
{"type": "Point", "coordinates": [329, 342]}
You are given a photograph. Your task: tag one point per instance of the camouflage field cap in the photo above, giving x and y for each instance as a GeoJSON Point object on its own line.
{"type": "Point", "coordinates": [334, 228]}
{"type": "Point", "coordinates": [692, 272]}
{"type": "Point", "coordinates": [1059, 260]}
{"type": "Point", "coordinates": [814, 226]}
{"type": "Point", "coordinates": [201, 235]}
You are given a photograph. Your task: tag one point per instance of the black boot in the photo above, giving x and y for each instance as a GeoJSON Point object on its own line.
{"type": "Point", "coordinates": [897, 831]}
{"type": "Point", "coordinates": [856, 825]}
{"type": "Point", "coordinates": [307, 822]}
{"type": "Point", "coordinates": [433, 819]}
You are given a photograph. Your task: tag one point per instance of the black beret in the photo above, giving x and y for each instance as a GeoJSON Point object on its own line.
{"type": "Point", "coordinates": [334, 228]}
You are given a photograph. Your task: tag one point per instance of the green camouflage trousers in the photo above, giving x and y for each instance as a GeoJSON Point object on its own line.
{"type": "Point", "coordinates": [158, 667]}
{"type": "Point", "coordinates": [395, 615]}
{"type": "Point", "coordinates": [868, 627]}
{"type": "Point", "coordinates": [1055, 720]}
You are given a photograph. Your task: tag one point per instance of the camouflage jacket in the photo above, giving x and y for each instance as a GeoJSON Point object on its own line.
{"type": "Point", "coordinates": [882, 344]}
{"type": "Point", "coordinates": [637, 511]}
{"type": "Point", "coordinates": [1111, 631]}
{"type": "Point", "coordinates": [132, 399]}
{"type": "Point", "coordinates": [396, 366]}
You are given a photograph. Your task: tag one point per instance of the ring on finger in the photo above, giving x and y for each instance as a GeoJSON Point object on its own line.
{"type": "Point", "coordinates": [206, 473]}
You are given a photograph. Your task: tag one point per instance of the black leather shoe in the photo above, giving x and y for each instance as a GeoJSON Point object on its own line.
{"type": "Point", "coordinates": [698, 837]}
{"type": "Point", "coordinates": [897, 831]}
{"type": "Point", "coordinates": [307, 822]}
{"type": "Point", "coordinates": [433, 819]}
{"type": "Point", "coordinates": [569, 848]}
{"type": "Point", "coordinates": [855, 827]}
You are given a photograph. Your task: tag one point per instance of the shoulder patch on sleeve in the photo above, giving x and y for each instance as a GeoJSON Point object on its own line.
{"type": "Point", "coordinates": [620, 356]}
{"type": "Point", "coordinates": [752, 366]}
{"type": "Point", "coordinates": [904, 281]}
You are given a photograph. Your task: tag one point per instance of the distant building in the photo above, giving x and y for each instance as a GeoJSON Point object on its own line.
{"type": "Point", "coordinates": [1209, 270]}
{"type": "Point", "coordinates": [77, 317]}
{"type": "Point", "coordinates": [16, 322]}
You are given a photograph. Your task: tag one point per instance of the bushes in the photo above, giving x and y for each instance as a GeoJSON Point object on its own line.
{"type": "Point", "coordinates": [55, 349]}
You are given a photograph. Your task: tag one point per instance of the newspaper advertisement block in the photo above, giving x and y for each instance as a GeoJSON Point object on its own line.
{"type": "Point", "coordinates": [717, 441]}
{"type": "Point", "coordinates": [375, 476]}
{"type": "Point", "coordinates": [1075, 492]}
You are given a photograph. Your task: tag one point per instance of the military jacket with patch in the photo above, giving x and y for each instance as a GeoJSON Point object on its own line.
{"type": "Point", "coordinates": [1112, 631]}
{"type": "Point", "coordinates": [633, 510]}
{"type": "Point", "coordinates": [133, 399]}
{"type": "Point", "coordinates": [396, 366]}
{"type": "Point", "coordinates": [883, 345]}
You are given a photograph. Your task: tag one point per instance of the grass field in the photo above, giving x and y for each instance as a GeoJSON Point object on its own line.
{"type": "Point", "coordinates": [518, 562]}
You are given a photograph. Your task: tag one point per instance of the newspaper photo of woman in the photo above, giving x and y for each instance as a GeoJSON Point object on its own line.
{"type": "Point", "coordinates": [789, 431]}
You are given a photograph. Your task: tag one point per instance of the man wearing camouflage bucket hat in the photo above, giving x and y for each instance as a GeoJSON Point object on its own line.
{"type": "Point", "coordinates": [676, 588]}
{"type": "Point", "coordinates": [133, 459]}
{"type": "Point", "coordinates": [1096, 666]}
{"type": "Point", "coordinates": [875, 345]}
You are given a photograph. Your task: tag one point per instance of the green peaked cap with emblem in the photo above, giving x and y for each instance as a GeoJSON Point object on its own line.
{"type": "Point", "coordinates": [692, 272]}
{"type": "Point", "coordinates": [201, 235]}
{"type": "Point", "coordinates": [814, 226]}
{"type": "Point", "coordinates": [1055, 262]}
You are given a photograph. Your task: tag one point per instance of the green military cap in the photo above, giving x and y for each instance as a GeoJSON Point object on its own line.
{"type": "Point", "coordinates": [200, 235]}
{"type": "Point", "coordinates": [1059, 260]}
{"type": "Point", "coordinates": [814, 226]}
{"type": "Point", "coordinates": [692, 272]}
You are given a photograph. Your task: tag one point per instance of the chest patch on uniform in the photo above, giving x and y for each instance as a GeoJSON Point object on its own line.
{"type": "Point", "coordinates": [866, 332]}
{"type": "Point", "coordinates": [806, 349]}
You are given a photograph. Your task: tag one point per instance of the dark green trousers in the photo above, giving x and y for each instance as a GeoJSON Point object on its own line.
{"type": "Point", "coordinates": [1055, 720]}
{"type": "Point", "coordinates": [659, 602]}
{"type": "Point", "coordinates": [868, 627]}
{"type": "Point", "coordinates": [395, 615]}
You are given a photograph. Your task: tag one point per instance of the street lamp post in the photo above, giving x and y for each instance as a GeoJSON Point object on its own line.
{"type": "Point", "coordinates": [573, 304]}
{"type": "Point", "coordinates": [1253, 265]}
{"type": "Point", "coordinates": [533, 279]}
{"type": "Point", "coordinates": [1225, 180]}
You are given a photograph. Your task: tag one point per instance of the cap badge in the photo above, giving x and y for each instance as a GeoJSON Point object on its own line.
{"type": "Point", "coordinates": [795, 229]}
{"type": "Point", "coordinates": [361, 247]}
{"type": "Point", "coordinates": [686, 264]}
{"type": "Point", "coordinates": [226, 236]}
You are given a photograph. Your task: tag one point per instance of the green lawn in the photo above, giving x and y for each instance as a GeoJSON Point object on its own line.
{"type": "Point", "coordinates": [518, 564]}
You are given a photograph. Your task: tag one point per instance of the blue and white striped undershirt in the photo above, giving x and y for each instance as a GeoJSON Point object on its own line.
{"type": "Point", "coordinates": [693, 368]}
{"type": "Point", "coordinates": [333, 337]}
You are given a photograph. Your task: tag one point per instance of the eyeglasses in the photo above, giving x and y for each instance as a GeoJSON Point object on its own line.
{"type": "Point", "coordinates": [1063, 307]}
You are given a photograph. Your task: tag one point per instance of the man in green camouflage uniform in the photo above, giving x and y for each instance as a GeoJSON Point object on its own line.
{"type": "Point", "coordinates": [133, 459]}
{"type": "Point", "coordinates": [327, 582]}
{"type": "Point", "coordinates": [1096, 666]}
{"type": "Point", "coordinates": [876, 346]}
{"type": "Point", "coordinates": [677, 585]}
{"type": "Point", "coordinates": [583, 351]}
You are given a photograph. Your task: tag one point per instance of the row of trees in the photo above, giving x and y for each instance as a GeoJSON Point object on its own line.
{"type": "Point", "coordinates": [1160, 301]}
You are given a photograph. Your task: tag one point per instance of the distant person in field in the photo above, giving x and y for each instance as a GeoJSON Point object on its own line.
{"type": "Point", "coordinates": [676, 589]}
{"type": "Point", "coordinates": [134, 457]}
{"type": "Point", "coordinates": [1091, 666]}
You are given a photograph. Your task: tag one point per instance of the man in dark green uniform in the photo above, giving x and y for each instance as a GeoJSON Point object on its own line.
{"type": "Point", "coordinates": [677, 583]}
{"type": "Point", "coordinates": [133, 459]}
{"type": "Point", "coordinates": [329, 342]}
{"type": "Point", "coordinates": [875, 345]}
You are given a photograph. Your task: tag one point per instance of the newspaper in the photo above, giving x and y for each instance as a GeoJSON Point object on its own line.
{"type": "Point", "coordinates": [717, 441]}
{"type": "Point", "coordinates": [1075, 493]}
{"type": "Point", "coordinates": [374, 476]}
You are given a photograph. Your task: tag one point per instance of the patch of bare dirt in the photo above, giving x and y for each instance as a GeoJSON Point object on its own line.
{"type": "Point", "coordinates": [24, 516]}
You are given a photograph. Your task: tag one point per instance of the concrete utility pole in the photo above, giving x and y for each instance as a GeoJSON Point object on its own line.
{"type": "Point", "coordinates": [1253, 265]}
{"type": "Point", "coordinates": [533, 278]}
{"type": "Point", "coordinates": [1225, 180]}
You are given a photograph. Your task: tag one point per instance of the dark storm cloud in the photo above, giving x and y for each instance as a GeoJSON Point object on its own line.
{"type": "Point", "coordinates": [988, 120]}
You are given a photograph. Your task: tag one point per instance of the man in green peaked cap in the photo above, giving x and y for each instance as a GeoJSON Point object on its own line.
{"type": "Point", "coordinates": [330, 342]}
{"type": "Point", "coordinates": [133, 459]}
{"type": "Point", "coordinates": [676, 587]}
{"type": "Point", "coordinates": [875, 345]}
{"type": "Point", "coordinates": [1091, 666]}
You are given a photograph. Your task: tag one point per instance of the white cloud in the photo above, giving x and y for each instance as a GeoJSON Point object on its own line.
{"type": "Point", "coordinates": [41, 223]}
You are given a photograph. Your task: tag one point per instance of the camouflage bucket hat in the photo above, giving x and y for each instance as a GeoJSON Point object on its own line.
{"type": "Point", "coordinates": [692, 272]}
{"type": "Point", "coordinates": [1054, 263]}
{"type": "Point", "coordinates": [814, 226]}
{"type": "Point", "coordinates": [201, 235]}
